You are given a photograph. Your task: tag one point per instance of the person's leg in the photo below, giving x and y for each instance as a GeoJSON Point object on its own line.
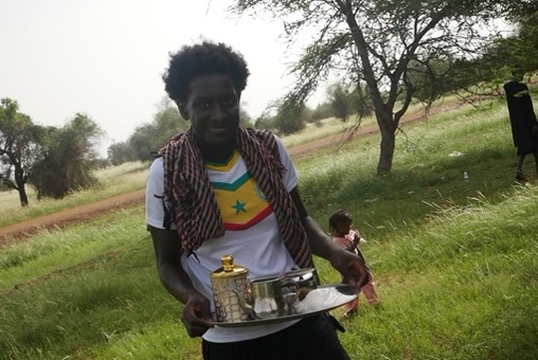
{"type": "Point", "coordinates": [264, 348]}
{"type": "Point", "coordinates": [312, 338]}
{"type": "Point", "coordinates": [519, 169]}
{"type": "Point", "coordinates": [369, 292]}
{"type": "Point", "coordinates": [350, 308]}
{"type": "Point", "coordinates": [536, 161]}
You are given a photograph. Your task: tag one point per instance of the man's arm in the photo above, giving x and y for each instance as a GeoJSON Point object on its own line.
{"type": "Point", "coordinates": [196, 312]}
{"type": "Point", "coordinates": [168, 256]}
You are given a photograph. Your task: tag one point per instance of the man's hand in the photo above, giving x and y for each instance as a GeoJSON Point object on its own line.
{"type": "Point", "coordinates": [351, 266]}
{"type": "Point", "coordinates": [355, 242]}
{"type": "Point", "coordinates": [197, 316]}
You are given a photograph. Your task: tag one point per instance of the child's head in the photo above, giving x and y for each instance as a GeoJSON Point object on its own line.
{"type": "Point", "coordinates": [340, 222]}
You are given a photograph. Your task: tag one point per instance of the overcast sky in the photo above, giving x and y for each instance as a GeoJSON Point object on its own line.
{"type": "Point", "coordinates": [106, 57]}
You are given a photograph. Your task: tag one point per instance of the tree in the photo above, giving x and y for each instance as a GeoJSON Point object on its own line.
{"type": "Point", "coordinates": [119, 153]}
{"type": "Point", "coordinates": [149, 138]}
{"type": "Point", "coordinates": [265, 121]}
{"type": "Point", "coordinates": [339, 99]}
{"type": "Point", "coordinates": [522, 48]}
{"type": "Point", "coordinates": [244, 118]}
{"type": "Point", "coordinates": [322, 111]}
{"type": "Point", "coordinates": [19, 147]}
{"type": "Point", "coordinates": [346, 100]}
{"type": "Point", "coordinates": [69, 158]}
{"type": "Point", "coordinates": [290, 117]}
{"type": "Point", "coordinates": [376, 43]}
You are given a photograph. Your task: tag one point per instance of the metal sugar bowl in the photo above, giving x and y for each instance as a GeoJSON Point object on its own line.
{"type": "Point", "coordinates": [230, 284]}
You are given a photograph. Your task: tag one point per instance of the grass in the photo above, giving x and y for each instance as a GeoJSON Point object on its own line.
{"type": "Point", "coordinates": [455, 261]}
{"type": "Point", "coordinates": [427, 172]}
{"type": "Point", "coordinates": [112, 181]}
{"type": "Point", "coordinates": [321, 129]}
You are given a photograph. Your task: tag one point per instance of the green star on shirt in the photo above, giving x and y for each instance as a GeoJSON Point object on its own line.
{"type": "Point", "coordinates": [239, 206]}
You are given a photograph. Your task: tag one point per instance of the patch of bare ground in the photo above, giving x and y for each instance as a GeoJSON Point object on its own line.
{"type": "Point", "coordinates": [62, 219]}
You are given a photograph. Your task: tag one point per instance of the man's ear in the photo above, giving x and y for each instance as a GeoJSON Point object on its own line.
{"type": "Point", "coordinates": [182, 107]}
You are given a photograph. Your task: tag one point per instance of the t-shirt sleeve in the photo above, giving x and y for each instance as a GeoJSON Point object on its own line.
{"type": "Point", "coordinates": [154, 195]}
{"type": "Point", "coordinates": [290, 177]}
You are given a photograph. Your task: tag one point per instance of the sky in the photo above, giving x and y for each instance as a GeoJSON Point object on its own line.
{"type": "Point", "coordinates": [106, 58]}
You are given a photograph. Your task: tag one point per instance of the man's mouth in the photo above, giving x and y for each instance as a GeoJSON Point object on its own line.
{"type": "Point", "coordinates": [218, 129]}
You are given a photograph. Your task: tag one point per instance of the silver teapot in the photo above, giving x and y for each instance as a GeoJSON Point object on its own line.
{"type": "Point", "coordinates": [237, 298]}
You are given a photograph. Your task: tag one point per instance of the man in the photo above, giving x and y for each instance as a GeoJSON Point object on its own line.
{"type": "Point", "coordinates": [522, 120]}
{"type": "Point", "coordinates": [222, 189]}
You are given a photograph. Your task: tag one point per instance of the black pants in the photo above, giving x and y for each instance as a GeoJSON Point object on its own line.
{"type": "Point", "coordinates": [312, 338]}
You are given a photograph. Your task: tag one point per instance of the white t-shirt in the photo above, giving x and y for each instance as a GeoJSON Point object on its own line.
{"type": "Point", "coordinates": [252, 235]}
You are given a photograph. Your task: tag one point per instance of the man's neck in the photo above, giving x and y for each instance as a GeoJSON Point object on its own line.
{"type": "Point", "coordinates": [218, 155]}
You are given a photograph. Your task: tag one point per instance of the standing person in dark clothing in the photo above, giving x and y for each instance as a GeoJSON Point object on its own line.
{"type": "Point", "coordinates": [522, 120]}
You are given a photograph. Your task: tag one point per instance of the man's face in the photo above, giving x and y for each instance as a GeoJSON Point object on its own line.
{"type": "Point", "coordinates": [213, 109]}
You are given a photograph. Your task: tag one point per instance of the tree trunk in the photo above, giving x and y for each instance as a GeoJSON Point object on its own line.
{"type": "Point", "coordinates": [388, 142]}
{"type": "Point", "coordinates": [383, 111]}
{"type": "Point", "coordinates": [23, 197]}
{"type": "Point", "coordinates": [20, 180]}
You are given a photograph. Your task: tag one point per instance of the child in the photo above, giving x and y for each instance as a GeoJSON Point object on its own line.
{"type": "Point", "coordinates": [341, 232]}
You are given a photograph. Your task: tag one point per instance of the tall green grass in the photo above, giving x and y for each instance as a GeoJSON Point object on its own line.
{"type": "Point", "coordinates": [455, 261]}
{"type": "Point", "coordinates": [430, 159]}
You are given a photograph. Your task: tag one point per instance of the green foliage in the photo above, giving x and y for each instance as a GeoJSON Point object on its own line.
{"type": "Point", "coordinates": [338, 96]}
{"type": "Point", "coordinates": [244, 118]}
{"type": "Point", "coordinates": [345, 102]}
{"type": "Point", "coordinates": [69, 159]}
{"type": "Point", "coordinates": [265, 122]}
{"type": "Point", "coordinates": [522, 48]}
{"type": "Point", "coordinates": [290, 117]}
{"type": "Point", "coordinates": [20, 147]}
{"type": "Point", "coordinates": [149, 138]}
{"type": "Point", "coordinates": [322, 111]}
{"type": "Point", "coordinates": [119, 153]}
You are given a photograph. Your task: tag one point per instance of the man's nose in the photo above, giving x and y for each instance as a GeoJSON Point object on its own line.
{"type": "Point", "coordinates": [218, 112]}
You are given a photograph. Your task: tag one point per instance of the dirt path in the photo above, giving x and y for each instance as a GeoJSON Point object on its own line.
{"type": "Point", "coordinates": [26, 229]}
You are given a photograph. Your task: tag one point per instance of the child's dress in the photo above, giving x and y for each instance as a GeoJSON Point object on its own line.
{"type": "Point", "coordinates": [368, 289]}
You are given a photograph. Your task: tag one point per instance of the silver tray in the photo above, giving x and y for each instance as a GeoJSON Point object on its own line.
{"type": "Point", "coordinates": [332, 296]}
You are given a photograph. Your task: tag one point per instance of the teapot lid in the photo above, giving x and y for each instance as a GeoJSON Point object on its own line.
{"type": "Point", "coordinates": [228, 268]}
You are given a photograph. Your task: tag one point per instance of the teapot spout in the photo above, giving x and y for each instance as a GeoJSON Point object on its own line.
{"type": "Point", "coordinates": [247, 308]}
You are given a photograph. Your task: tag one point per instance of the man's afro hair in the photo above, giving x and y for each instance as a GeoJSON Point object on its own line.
{"type": "Point", "coordinates": [200, 59]}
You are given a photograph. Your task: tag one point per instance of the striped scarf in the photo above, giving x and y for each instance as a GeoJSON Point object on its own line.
{"type": "Point", "coordinates": [190, 200]}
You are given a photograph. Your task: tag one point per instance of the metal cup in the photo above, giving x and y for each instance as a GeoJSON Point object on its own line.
{"type": "Point", "coordinates": [267, 298]}
{"type": "Point", "coordinates": [296, 284]}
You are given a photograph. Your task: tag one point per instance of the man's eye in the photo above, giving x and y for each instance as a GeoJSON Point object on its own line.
{"type": "Point", "coordinates": [229, 103]}
{"type": "Point", "coordinates": [203, 105]}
